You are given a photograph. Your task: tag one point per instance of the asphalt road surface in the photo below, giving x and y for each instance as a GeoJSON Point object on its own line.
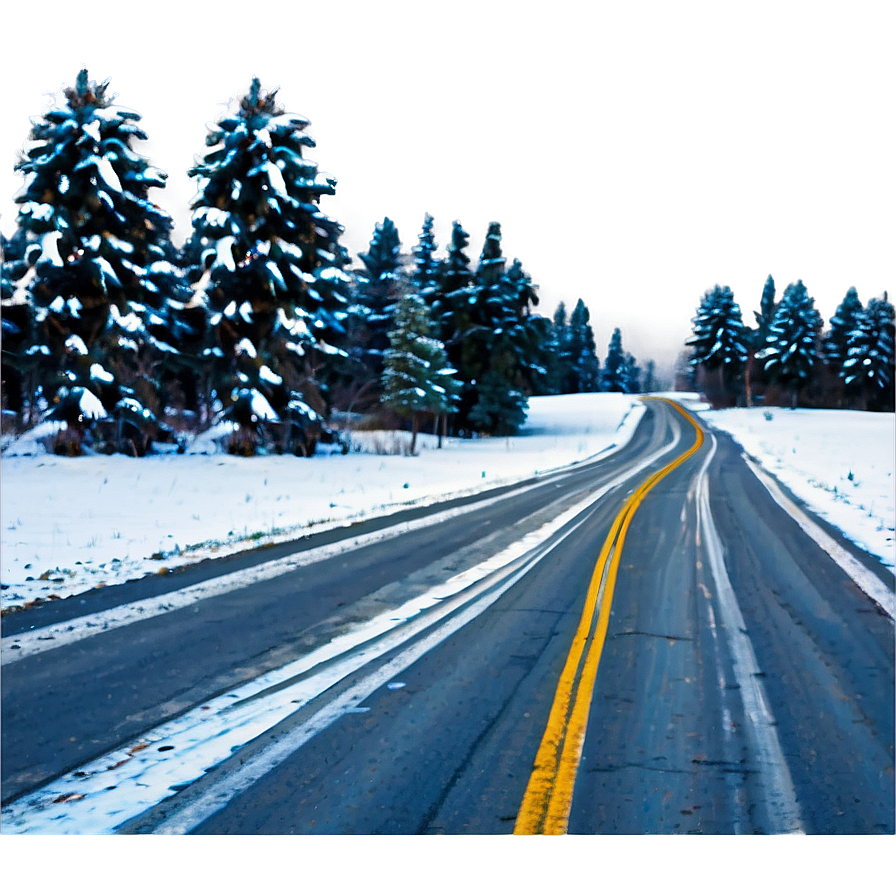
{"type": "Point", "coordinates": [645, 643]}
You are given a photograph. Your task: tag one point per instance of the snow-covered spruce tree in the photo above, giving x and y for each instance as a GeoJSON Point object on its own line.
{"type": "Point", "coordinates": [98, 273]}
{"type": "Point", "coordinates": [528, 333]}
{"type": "Point", "coordinates": [378, 286]}
{"type": "Point", "coordinates": [649, 383]}
{"type": "Point", "coordinates": [449, 303]}
{"type": "Point", "coordinates": [424, 281]}
{"type": "Point", "coordinates": [868, 366]}
{"type": "Point", "coordinates": [631, 375]}
{"type": "Point", "coordinates": [846, 319]}
{"type": "Point", "coordinates": [719, 341]}
{"type": "Point", "coordinates": [766, 313]}
{"type": "Point", "coordinates": [499, 410]}
{"type": "Point", "coordinates": [17, 319]}
{"type": "Point", "coordinates": [271, 273]}
{"type": "Point", "coordinates": [416, 378]}
{"type": "Point", "coordinates": [754, 378]}
{"type": "Point", "coordinates": [614, 376]}
{"type": "Point", "coordinates": [500, 344]}
{"type": "Point", "coordinates": [563, 367]}
{"type": "Point", "coordinates": [790, 349]}
{"type": "Point", "coordinates": [584, 372]}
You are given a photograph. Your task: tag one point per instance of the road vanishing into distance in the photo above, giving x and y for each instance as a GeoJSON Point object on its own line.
{"type": "Point", "coordinates": [654, 641]}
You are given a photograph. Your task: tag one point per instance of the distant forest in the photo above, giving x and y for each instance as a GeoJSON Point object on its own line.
{"type": "Point", "coordinates": [262, 331]}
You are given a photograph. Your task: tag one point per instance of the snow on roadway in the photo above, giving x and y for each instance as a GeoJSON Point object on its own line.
{"type": "Point", "coordinates": [70, 524]}
{"type": "Point", "coordinates": [840, 463]}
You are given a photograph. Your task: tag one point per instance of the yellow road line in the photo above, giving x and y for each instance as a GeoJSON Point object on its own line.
{"type": "Point", "coordinates": [548, 797]}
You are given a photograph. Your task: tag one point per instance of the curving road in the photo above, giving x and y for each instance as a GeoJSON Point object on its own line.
{"type": "Point", "coordinates": [646, 643]}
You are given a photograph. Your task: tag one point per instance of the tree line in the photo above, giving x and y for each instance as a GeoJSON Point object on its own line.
{"type": "Point", "coordinates": [789, 358]}
{"type": "Point", "coordinates": [257, 327]}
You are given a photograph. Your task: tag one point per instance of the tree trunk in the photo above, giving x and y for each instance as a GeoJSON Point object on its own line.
{"type": "Point", "coordinates": [747, 384]}
{"type": "Point", "coordinates": [415, 427]}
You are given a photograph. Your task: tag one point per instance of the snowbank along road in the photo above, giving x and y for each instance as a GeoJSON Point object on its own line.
{"type": "Point", "coordinates": [652, 642]}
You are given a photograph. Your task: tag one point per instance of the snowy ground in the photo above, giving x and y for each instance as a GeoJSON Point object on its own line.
{"type": "Point", "coordinates": [69, 524]}
{"type": "Point", "coordinates": [840, 463]}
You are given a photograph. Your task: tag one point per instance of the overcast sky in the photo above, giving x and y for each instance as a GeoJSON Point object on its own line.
{"type": "Point", "coordinates": [635, 153]}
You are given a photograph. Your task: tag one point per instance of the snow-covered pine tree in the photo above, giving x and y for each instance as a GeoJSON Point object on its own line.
{"type": "Point", "coordinates": [754, 378]}
{"type": "Point", "coordinates": [868, 366]}
{"type": "Point", "coordinates": [449, 304]}
{"type": "Point", "coordinates": [499, 410]}
{"type": "Point", "coordinates": [613, 376]}
{"type": "Point", "coordinates": [845, 320]}
{"type": "Point", "coordinates": [584, 373]}
{"type": "Point", "coordinates": [271, 273]}
{"type": "Point", "coordinates": [649, 384]}
{"type": "Point", "coordinates": [529, 333]}
{"type": "Point", "coordinates": [495, 349]}
{"type": "Point", "coordinates": [17, 320]}
{"type": "Point", "coordinates": [416, 377]}
{"type": "Point", "coordinates": [563, 369]}
{"type": "Point", "coordinates": [631, 375]}
{"type": "Point", "coordinates": [378, 286]}
{"type": "Point", "coordinates": [719, 339]}
{"type": "Point", "coordinates": [766, 313]}
{"type": "Point", "coordinates": [790, 349]}
{"type": "Point", "coordinates": [486, 315]}
{"type": "Point", "coordinates": [425, 274]}
{"type": "Point", "coordinates": [99, 270]}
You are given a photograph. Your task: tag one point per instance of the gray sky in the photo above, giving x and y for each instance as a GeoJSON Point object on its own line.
{"type": "Point", "coordinates": [635, 153]}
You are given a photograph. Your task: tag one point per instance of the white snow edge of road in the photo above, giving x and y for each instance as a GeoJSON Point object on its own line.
{"type": "Point", "coordinates": [880, 593]}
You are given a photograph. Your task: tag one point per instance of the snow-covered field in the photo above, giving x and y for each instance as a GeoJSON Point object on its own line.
{"type": "Point", "coordinates": [69, 524]}
{"type": "Point", "coordinates": [840, 463]}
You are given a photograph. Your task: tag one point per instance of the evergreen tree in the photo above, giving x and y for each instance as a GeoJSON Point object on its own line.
{"type": "Point", "coordinates": [650, 384]}
{"type": "Point", "coordinates": [379, 286]}
{"type": "Point", "coordinates": [483, 321]}
{"type": "Point", "coordinates": [631, 375]}
{"type": "Point", "coordinates": [527, 333]}
{"type": "Point", "coordinates": [754, 375]}
{"type": "Point", "coordinates": [868, 366]}
{"type": "Point", "coordinates": [416, 377]}
{"type": "Point", "coordinates": [500, 357]}
{"type": "Point", "coordinates": [584, 370]}
{"type": "Point", "coordinates": [499, 410]}
{"type": "Point", "coordinates": [425, 275]}
{"type": "Point", "coordinates": [845, 320]}
{"type": "Point", "coordinates": [790, 349]}
{"type": "Point", "coordinates": [450, 302]}
{"type": "Point", "coordinates": [17, 319]}
{"type": "Point", "coordinates": [98, 271]}
{"type": "Point", "coordinates": [766, 313]}
{"type": "Point", "coordinates": [271, 273]}
{"type": "Point", "coordinates": [614, 376]}
{"type": "Point", "coordinates": [719, 337]}
{"type": "Point", "coordinates": [563, 378]}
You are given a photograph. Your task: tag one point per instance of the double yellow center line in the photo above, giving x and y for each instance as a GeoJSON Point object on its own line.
{"type": "Point", "coordinates": [548, 797]}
